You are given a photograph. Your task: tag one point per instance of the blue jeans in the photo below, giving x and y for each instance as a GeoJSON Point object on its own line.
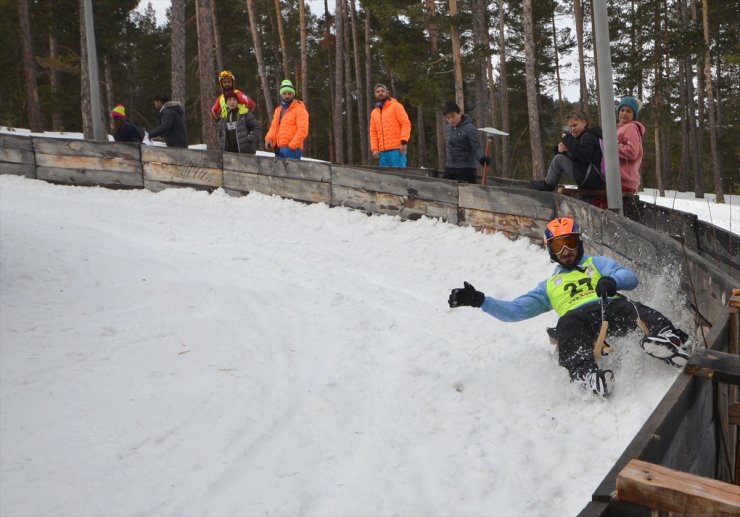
{"type": "Point", "coordinates": [287, 152]}
{"type": "Point", "coordinates": [392, 158]}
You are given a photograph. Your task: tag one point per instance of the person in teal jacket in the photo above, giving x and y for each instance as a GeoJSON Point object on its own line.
{"type": "Point", "coordinates": [576, 290]}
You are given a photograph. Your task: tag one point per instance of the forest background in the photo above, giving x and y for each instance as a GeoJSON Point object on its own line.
{"type": "Point", "coordinates": [502, 61]}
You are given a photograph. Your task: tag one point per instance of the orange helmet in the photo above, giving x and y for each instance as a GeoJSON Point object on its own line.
{"type": "Point", "coordinates": [566, 232]}
{"type": "Point", "coordinates": [561, 226]}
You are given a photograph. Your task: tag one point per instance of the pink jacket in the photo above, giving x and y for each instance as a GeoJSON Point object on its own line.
{"type": "Point", "coordinates": [629, 145]}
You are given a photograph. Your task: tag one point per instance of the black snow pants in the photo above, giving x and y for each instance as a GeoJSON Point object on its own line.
{"type": "Point", "coordinates": [577, 330]}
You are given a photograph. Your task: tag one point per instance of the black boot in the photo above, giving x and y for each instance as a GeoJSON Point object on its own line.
{"type": "Point", "coordinates": [541, 185]}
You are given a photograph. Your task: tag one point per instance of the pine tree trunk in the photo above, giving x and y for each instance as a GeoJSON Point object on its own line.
{"type": "Point", "coordinates": [57, 122]}
{"type": "Point", "coordinates": [699, 170]}
{"type": "Point", "coordinates": [338, 115]}
{"type": "Point", "coordinates": [177, 69]}
{"type": "Point", "coordinates": [206, 71]}
{"type": "Point", "coordinates": [713, 146]}
{"type": "Point", "coordinates": [557, 65]}
{"type": "Point", "coordinates": [85, 104]}
{"type": "Point", "coordinates": [688, 126]}
{"type": "Point", "coordinates": [504, 80]}
{"type": "Point", "coordinates": [596, 59]}
{"type": "Point", "coordinates": [361, 103]}
{"type": "Point", "coordinates": [30, 73]}
{"type": "Point", "coordinates": [110, 99]}
{"type": "Point", "coordinates": [218, 55]}
{"type": "Point", "coordinates": [283, 43]}
{"type": "Point", "coordinates": [683, 169]}
{"type": "Point", "coordinates": [304, 51]}
{"type": "Point", "coordinates": [368, 71]}
{"type": "Point", "coordinates": [441, 141]}
{"type": "Point", "coordinates": [535, 139]}
{"type": "Point", "coordinates": [348, 97]}
{"type": "Point", "coordinates": [658, 99]}
{"type": "Point", "coordinates": [431, 27]}
{"type": "Point", "coordinates": [258, 54]}
{"type": "Point", "coordinates": [480, 37]}
{"type": "Point", "coordinates": [421, 137]}
{"type": "Point", "coordinates": [456, 56]}
{"type": "Point", "coordinates": [578, 15]}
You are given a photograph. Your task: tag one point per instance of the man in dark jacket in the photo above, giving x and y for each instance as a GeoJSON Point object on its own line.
{"type": "Point", "coordinates": [122, 129]}
{"type": "Point", "coordinates": [238, 132]}
{"type": "Point", "coordinates": [171, 122]}
{"type": "Point", "coordinates": [464, 151]}
{"type": "Point", "coordinates": [578, 156]}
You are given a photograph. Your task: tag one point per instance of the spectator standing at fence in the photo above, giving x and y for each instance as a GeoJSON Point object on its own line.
{"type": "Point", "coordinates": [122, 129]}
{"type": "Point", "coordinates": [171, 122]}
{"type": "Point", "coordinates": [464, 151]}
{"type": "Point", "coordinates": [227, 81]}
{"type": "Point", "coordinates": [390, 129]}
{"type": "Point", "coordinates": [238, 132]}
{"type": "Point", "coordinates": [289, 126]}
{"type": "Point", "coordinates": [578, 155]}
{"type": "Point", "coordinates": [629, 144]}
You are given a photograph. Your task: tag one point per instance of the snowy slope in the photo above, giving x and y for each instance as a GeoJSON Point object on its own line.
{"type": "Point", "coordinates": [182, 353]}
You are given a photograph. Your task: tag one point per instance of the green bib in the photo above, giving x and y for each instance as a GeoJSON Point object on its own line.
{"type": "Point", "coordinates": [570, 289]}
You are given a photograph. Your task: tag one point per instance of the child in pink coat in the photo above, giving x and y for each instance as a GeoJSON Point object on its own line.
{"type": "Point", "coordinates": [629, 144]}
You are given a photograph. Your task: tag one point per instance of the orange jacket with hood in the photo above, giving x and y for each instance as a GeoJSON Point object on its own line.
{"type": "Point", "coordinates": [292, 130]}
{"type": "Point", "coordinates": [388, 126]}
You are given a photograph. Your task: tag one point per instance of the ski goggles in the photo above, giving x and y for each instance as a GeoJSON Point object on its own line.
{"type": "Point", "coordinates": [558, 244]}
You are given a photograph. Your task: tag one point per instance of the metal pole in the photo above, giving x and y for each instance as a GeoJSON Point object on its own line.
{"type": "Point", "coordinates": [608, 118]}
{"type": "Point", "coordinates": [92, 70]}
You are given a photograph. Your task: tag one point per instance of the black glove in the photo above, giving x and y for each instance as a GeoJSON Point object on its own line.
{"type": "Point", "coordinates": [485, 160]}
{"type": "Point", "coordinates": [606, 286]}
{"type": "Point", "coordinates": [467, 296]}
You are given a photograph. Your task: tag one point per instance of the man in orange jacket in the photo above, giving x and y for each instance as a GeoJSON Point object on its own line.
{"type": "Point", "coordinates": [289, 126]}
{"type": "Point", "coordinates": [390, 129]}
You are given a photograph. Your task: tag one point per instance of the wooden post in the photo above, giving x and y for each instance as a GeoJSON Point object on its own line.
{"type": "Point", "coordinates": [669, 490]}
{"type": "Point", "coordinates": [487, 166]}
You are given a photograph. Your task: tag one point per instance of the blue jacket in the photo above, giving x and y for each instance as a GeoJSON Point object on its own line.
{"type": "Point", "coordinates": [536, 301]}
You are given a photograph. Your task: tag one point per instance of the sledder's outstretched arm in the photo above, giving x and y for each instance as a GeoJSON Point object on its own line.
{"type": "Point", "coordinates": [524, 307]}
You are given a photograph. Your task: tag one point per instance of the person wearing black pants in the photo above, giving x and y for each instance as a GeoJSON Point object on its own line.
{"type": "Point", "coordinates": [576, 290]}
{"type": "Point", "coordinates": [464, 151]}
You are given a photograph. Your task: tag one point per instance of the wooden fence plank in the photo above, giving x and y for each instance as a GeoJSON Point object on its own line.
{"type": "Point", "coordinates": [182, 157]}
{"type": "Point", "coordinates": [17, 156]}
{"type": "Point", "coordinates": [253, 164]}
{"type": "Point", "coordinates": [410, 208]}
{"type": "Point", "coordinates": [511, 225]}
{"type": "Point", "coordinates": [503, 200]}
{"type": "Point", "coordinates": [88, 162]}
{"type": "Point", "coordinates": [669, 490]}
{"type": "Point", "coordinates": [19, 169]}
{"type": "Point", "coordinates": [90, 177]}
{"type": "Point", "coordinates": [397, 183]}
{"type": "Point", "coordinates": [302, 190]}
{"type": "Point", "coordinates": [67, 147]}
{"type": "Point", "coordinates": [715, 365]}
{"type": "Point", "coordinates": [183, 174]}
{"type": "Point", "coordinates": [303, 169]}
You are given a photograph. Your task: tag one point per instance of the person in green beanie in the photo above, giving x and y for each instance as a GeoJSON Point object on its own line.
{"type": "Point", "coordinates": [289, 126]}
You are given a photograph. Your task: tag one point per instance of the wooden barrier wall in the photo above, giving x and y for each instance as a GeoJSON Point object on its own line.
{"type": "Point", "coordinates": [682, 431]}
